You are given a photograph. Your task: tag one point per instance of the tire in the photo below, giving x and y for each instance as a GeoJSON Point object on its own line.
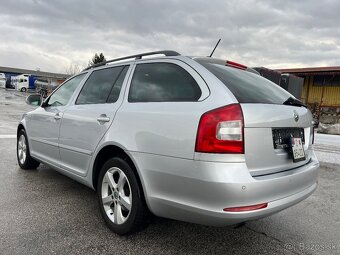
{"type": "Point", "coordinates": [23, 89]}
{"type": "Point", "coordinates": [24, 158]}
{"type": "Point", "coordinates": [120, 198]}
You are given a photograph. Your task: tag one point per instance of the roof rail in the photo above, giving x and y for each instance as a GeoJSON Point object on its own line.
{"type": "Point", "coordinates": [137, 56]}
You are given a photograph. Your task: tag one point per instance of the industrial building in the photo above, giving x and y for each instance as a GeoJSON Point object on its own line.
{"type": "Point", "coordinates": [39, 75]}
{"type": "Point", "coordinates": [321, 91]}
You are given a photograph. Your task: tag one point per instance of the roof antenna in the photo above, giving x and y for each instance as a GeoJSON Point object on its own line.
{"type": "Point", "coordinates": [215, 48]}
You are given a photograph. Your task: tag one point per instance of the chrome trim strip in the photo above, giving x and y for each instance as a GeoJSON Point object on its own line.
{"type": "Point", "coordinates": [66, 147]}
{"type": "Point", "coordinates": [71, 148]}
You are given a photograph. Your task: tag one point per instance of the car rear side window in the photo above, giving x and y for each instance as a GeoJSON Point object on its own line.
{"type": "Point", "coordinates": [103, 86]}
{"type": "Point", "coordinates": [163, 82]}
{"type": "Point", "coordinates": [248, 87]}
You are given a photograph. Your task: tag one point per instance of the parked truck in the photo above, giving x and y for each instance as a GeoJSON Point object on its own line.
{"type": "Point", "coordinates": [293, 84]}
{"type": "Point", "coordinates": [2, 80]}
{"type": "Point", "coordinates": [45, 87]}
{"type": "Point", "coordinates": [24, 82]}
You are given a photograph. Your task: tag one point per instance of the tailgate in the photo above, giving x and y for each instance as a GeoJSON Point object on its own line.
{"type": "Point", "coordinates": [267, 128]}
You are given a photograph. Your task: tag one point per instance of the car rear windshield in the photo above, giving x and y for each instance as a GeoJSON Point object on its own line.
{"type": "Point", "coordinates": [248, 87]}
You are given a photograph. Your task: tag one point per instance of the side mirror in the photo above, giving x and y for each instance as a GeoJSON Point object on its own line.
{"type": "Point", "coordinates": [34, 99]}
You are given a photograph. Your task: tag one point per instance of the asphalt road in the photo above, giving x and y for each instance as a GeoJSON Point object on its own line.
{"type": "Point", "coordinates": [44, 212]}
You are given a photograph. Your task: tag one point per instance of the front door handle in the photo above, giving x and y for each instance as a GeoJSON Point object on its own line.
{"type": "Point", "coordinates": [103, 118]}
{"type": "Point", "coordinates": [57, 116]}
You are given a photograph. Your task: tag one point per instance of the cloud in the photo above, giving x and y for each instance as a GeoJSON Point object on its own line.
{"type": "Point", "coordinates": [53, 34]}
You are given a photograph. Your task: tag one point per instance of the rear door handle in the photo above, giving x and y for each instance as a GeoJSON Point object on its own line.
{"type": "Point", "coordinates": [103, 118]}
{"type": "Point", "coordinates": [57, 116]}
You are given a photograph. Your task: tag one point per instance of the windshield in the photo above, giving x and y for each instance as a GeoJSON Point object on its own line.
{"type": "Point", "coordinates": [248, 87]}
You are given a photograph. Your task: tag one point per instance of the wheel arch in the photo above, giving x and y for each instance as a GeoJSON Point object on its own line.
{"type": "Point", "coordinates": [108, 152]}
{"type": "Point", "coordinates": [20, 127]}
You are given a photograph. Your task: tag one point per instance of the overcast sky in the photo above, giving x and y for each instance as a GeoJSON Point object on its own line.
{"type": "Point", "coordinates": [51, 35]}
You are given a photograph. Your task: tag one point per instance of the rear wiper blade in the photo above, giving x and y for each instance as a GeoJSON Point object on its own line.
{"type": "Point", "coordinates": [294, 101]}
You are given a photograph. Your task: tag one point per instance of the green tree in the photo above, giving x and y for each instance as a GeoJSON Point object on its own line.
{"type": "Point", "coordinates": [97, 59]}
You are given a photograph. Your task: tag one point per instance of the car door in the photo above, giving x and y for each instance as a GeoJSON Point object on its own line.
{"type": "Point", "coordinates": [163, 108]}
{"type": "Point", "coordinates": [43, 124]}
{"type": "Point", "coordinates": [85, 122]}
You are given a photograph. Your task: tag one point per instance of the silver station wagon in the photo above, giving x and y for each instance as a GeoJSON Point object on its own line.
{"type": "Point", "coordinates": [196, 139]}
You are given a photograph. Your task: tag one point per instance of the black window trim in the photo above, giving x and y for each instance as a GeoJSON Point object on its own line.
{"type": "Point", "coordinates": [118, 76]}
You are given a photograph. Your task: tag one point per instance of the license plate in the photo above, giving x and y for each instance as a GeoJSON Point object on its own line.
{"type": "Point", "coordinates": [297, 149]}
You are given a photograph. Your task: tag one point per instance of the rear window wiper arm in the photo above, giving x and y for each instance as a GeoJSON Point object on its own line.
{"type": "Point", "coordinates": [294, 101]}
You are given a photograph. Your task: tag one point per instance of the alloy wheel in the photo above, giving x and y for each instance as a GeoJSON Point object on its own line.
{"type": "Point", "coordinates": [116, 195]}
{"type": "Point", "coordinates": [22, 149]}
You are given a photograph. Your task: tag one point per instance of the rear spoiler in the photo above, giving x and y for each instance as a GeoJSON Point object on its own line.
{"type": "Point", "coordinates": [225, 63]}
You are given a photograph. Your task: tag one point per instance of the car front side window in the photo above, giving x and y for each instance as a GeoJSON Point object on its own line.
{"type": "Point", "coordinates": [63, 95]}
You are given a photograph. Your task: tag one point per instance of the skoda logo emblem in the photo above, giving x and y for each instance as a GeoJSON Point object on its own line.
{"type": "Point", "coordinates": [296, 116]}
{"type": "Point", "coordinates": [115, 195]}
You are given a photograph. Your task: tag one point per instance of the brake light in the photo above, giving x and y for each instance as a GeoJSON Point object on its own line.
{"type": "Point", "coordinates": [236, 65]}
{"type": "Point", "coordinates": [221, 131]}
{"type": "Point", "coordinates": [246, 208]}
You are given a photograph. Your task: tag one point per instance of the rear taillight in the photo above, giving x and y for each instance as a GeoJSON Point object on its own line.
{"type": "Point", "coordinates": [221, 131]}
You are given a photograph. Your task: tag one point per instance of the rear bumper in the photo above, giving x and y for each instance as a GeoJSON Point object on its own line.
{"type": "Point", "coordinates": [198, 191]}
